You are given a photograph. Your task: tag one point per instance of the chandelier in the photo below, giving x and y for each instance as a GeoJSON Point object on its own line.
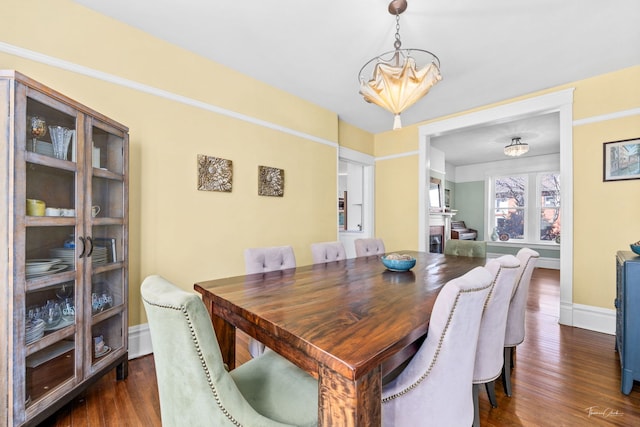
{"type": "Point", "coordinates": [516, 148]}
{"type": "Point", "coordinates": [396, 82]}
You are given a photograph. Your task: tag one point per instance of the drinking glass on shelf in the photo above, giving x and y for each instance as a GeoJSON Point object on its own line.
{"type": "Point", "coordinates": [38, 128]}
{"type": "Point", "coordinates": [60, 137]}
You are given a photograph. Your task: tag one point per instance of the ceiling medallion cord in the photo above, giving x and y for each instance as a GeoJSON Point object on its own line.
{"type": "Point", "coordinates": [396, 82]}
{"type": "Point", "coordinates": [516, 148]}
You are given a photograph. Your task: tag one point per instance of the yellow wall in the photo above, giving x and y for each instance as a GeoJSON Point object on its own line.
{"type": "Point", "coordinates": [189, 235]}
{"type": "Point", "coordinates": [355, 138]}
{"type": "Point", "coordinates": [177, 231]}
{"type": "Point", "coordinates": [605, 213]}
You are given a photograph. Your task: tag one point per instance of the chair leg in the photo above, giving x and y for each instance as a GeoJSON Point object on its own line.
{"type": "Point", "coordinates": [491, 391]}
{"type": "Point", "coordinates": [506, 370]}
{"type": "Point", "coordinates": [476, 406]}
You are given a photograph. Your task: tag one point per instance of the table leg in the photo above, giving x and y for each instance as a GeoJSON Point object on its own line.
{"type": "Point", "coordinates": [343, 402]}
{"type": "Point", "coordinates": [225, 333]}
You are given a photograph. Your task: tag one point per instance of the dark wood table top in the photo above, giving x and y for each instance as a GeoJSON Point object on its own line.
{"type": "Point", "coordinates": [348, 315]}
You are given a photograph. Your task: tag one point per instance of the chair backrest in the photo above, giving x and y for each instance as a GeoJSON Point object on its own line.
{"type": "Point", "coordinates": [490, 350]}
{"type": "Point", "coordinates": [327, 252]}
{"type": "Point", "coordinates": [437, 384]}
{"type": "Point", "coordinates": [470, 248]}
{"type": "Point", "coordinates": [262, 260]}
{"type": "Point", "coordinates": [367, 247]}
{"type": "Point", "coordinates": [515, 331]}
{"type": "Point", "coordinates": [193, 385]}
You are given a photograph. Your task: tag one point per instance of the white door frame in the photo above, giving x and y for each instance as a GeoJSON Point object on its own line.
{"type": "Point", "coordinates": [561, 102]}
{"type": "Point", "coordinates": [368, 218]}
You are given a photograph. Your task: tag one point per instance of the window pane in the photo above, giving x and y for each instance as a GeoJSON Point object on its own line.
{"type": "Point", "coordinates": [510, 191]}
{"type": "Point", "coordinates": [549, 223]}
{"type": "Point", "coordinates": [549, 206]}
{"type": "Point", "coordinates": [510, 222]}
{"type": "Point", "coordinates": [550, 190]}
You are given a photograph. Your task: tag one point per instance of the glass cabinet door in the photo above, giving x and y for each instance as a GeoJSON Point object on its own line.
{"type": "Point", "coordinates": [64, 299]}
{"type": "Point", "coordinates": [53, 255]}
{"type": "Point", "coordinates": [106, 215]}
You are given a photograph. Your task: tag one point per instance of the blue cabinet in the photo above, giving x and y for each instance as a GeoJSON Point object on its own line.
{"type": "Point", "coordinates": [628, 317]}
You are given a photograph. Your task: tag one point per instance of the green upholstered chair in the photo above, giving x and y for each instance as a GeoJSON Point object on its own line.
{"type": "Point", "coordinates": [194, 387]}
{"type": "Point", "coordinates": [470, 248]}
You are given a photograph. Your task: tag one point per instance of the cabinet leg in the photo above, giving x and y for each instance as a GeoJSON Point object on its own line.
{"type": "Point", "coordinates": [122, 370]}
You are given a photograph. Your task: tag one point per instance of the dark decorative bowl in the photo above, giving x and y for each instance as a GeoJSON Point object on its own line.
{"type": "Point", "coordinates": [398, 264]}
{"type": "Point", "coordinates": [635, 248]}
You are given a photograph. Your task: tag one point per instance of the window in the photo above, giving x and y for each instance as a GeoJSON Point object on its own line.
{"type": "Point", "coordinates": [526, 207]}
{"type": "Point", "coordinates": [549, 185]}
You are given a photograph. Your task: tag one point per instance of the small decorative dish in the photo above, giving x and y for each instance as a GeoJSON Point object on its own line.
{"type": "Point", "coordinates": [504, 237]}
{"type": "Point", "coordinates": [398, 262]}
{"type": "Point", "coordinates": [105, 350]}
{"type": "Point", "coordinates": [635, 247]}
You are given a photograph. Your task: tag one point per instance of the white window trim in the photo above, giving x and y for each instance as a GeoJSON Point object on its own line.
{"type": "Point", "coordinates": [531, 208]}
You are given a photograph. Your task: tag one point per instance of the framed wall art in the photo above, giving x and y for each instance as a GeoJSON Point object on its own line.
{"type": "Point", "coordinates": [214, 174]}
{"type": "Point", "coordinates": [621, 160]}
{"type": "Point", "coordinates": [270, 181]}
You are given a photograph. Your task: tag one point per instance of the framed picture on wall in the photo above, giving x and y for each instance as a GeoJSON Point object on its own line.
{"type": "Point", "coordinates": [621, 160]}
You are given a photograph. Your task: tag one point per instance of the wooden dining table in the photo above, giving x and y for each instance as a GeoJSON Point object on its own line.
{"type": "Point", "coordinates": [348, 323]}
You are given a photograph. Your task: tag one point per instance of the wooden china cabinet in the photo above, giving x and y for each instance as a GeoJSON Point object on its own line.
{"type": "Point", "coordinates": [64, 269]}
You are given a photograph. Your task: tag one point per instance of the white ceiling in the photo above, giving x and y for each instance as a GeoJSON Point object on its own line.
{"type": "Point", "coordinates": [484, 144]}
{"type": "Point", "coordinates": [489, 50]}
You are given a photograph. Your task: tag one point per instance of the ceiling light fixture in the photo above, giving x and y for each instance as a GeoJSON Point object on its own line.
{"type": "Point", "coordinates": [516, 148]}
{"type": "Point", "coordinates": [396, 83]}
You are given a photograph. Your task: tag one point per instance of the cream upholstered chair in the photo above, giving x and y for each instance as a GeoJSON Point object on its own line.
{"type": "Point", "coordinates": [194, 387]}
{"type": "Point", "coordinates": [488, 365]}
{"type": "Point", "coordinates": [264, 260]}
{"type": "Point", "coordinates": [435, 387]}
{"type": "Point", "coordinates": [469, 248]}
{"type": "Point", "coordinates": [367, 247]}
{"type": "Point", "coordinates": [327, 252]}
{"type": "Point", "coordinates": [515, 330]}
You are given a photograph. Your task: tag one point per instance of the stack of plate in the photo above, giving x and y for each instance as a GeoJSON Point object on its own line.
{"type": "Point", "coordinates": [99, 255]}
{"type": "Point", "coordinates": [44, 266]}
{"type": "Point", "coordinates": [68, 255]}
{"type": "Point", "coordinates": [34, 330]}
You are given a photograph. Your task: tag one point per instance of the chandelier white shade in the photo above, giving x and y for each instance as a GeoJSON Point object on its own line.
{"type": "Point", "coordinates": [516, 148]}
{"type": "Point", "coordinates": [396, 82]}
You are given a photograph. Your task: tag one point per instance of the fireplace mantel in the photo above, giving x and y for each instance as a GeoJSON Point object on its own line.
{"type": "Point", "coordinates": [440, 225]}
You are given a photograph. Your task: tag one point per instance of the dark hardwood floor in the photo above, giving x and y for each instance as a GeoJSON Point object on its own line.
{"type": "Point", "coordinates": [563, 377]}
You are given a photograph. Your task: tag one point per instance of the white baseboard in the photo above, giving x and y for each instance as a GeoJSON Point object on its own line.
{"type": "Point", "coordinates": [139, 341]}
{"type": "Point", "coordinates": [543, 262]}
{"type": "Point", "coordinates": [594, 318]}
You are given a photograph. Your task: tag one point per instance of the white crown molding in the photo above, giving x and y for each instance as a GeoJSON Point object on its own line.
{"type": "Point", "coordinates": [396, 156]}
{"type": "Point", "coordinates": [140, 87]}
{"type": "Point", "coordinates": [605, 117]}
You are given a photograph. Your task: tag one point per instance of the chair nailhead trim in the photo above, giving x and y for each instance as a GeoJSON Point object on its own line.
{"type": "Point", "coordinates": [437, 353]}
{"type": "Point", "coordinates": [203, 363]}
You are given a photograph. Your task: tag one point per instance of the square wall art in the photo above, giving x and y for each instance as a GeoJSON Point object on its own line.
{"type": "Point", "coordinates": [214, 174]}
{"type": "Point", "coordinates": [270, 181]}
